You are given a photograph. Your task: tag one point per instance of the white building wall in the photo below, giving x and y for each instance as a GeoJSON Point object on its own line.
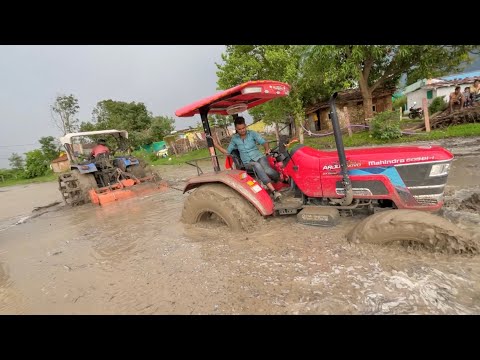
{"type": "Point", "coordinates": [416, 96]}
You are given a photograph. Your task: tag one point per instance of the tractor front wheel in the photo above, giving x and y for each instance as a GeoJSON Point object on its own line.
{"type": "Point", "coordinates": [428, 229]}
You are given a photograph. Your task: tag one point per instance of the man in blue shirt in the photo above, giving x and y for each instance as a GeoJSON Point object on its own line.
{"type": "Point", "coordinates": [246, 142]}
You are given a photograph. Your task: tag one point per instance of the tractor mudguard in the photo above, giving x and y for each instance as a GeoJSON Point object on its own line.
{"type": "Point", "coordinates": [85, 169]}
{"type": "Point", "coordinates": [241, 182]}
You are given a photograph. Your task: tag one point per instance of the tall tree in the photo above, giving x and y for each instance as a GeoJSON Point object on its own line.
{"type": "Point", "coordinates": [133, 117]}
{"type": "Point", "coordinates": [243, 63]}
{"type": "Point", "coordinates": [376, 66]}
{"type": "Point", "coordinates": [49, 147]}
{"type": "Point", "coordinates": [16, 162]}
{"type": "Point", "coordinates": [63, 113]}
{"type": "Point", "coordinates": [161, 126]}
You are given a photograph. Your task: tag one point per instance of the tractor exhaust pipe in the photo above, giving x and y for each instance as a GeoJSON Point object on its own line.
{"type": "Point", "coordinates": [347, 184]}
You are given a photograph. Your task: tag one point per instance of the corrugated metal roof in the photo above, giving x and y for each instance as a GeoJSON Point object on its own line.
{"type": "Point", "coordinates": [449, 83]}
{"type": "Point", "coordinates": [461, 76]}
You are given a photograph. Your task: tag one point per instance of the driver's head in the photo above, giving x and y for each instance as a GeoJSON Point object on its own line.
{"type": "Point", "coordinates": [240, 125]}
{"type": "Point", "coordinates": [101, 142]}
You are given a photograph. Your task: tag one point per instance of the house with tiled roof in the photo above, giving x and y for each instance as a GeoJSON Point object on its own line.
{"type": "Point", "coordinates": [438, 87]}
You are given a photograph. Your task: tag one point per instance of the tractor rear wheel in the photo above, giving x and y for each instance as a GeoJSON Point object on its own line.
{"type": "Point", "coordinates": [74, 187]}
{"type": "Point", "coordinates": [219, 200]}
{"type": "Point", "coordinates": [428, 229]}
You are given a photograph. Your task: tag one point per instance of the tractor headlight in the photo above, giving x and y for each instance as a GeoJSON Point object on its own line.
{"type": "Point", "coordinates": [440, 169]}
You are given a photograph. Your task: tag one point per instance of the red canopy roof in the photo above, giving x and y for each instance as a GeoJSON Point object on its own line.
{"type": "Point", "coordinates": [251, 93]}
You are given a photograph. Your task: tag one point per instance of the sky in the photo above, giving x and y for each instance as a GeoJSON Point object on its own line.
{"type": "Point", "coordinates": [163, 77]}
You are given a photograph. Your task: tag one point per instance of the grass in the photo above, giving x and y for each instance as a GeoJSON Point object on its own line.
{"type": "Point", "coordinates": [364, 138]}
{"type": "Point", "coordinates": [46, 178]}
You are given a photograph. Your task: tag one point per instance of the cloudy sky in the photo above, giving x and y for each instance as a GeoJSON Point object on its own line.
{"type": "Point", "coordinates": [163, 77]}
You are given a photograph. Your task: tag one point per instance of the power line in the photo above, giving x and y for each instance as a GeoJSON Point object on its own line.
{"type": "Point", "coordinates": [2, 146]}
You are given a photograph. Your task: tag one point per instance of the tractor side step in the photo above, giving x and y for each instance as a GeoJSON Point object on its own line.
{"type": "Point", "coordinates": [318, 216]}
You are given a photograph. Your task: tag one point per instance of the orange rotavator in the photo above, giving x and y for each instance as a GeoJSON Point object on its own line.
{"type": "Point", "coordinates": [104, 177]}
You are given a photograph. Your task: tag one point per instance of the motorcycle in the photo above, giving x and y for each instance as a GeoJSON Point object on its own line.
{"type": "Point", "coordinates": [415, 112]}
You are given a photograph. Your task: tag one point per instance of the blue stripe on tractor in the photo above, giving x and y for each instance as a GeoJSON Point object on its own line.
{"type": "Point", "coordinates": [390, 172]}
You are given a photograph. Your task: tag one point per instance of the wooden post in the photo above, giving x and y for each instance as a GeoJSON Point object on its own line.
{"type": "Point", "coordinates": [347, 120]}
{"type": "Point", "coordinates": [401, 114]}
{"type": "Point", "coordinates": [425, 114]}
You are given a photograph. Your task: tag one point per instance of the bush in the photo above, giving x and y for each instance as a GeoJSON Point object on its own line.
{"type": "Point", "coordinates": [438, 104]}
{"type": "Point", "coordinates": [399, 102]}
{"type": "Point", "coordinates": [386, 125]}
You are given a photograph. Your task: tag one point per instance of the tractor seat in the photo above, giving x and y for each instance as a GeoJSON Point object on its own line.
{"type": "Point", "coordinates": [102, 161]}
{"type": "Point", "coordinates": [239, 164]}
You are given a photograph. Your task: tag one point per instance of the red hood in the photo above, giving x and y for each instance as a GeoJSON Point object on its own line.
{"type": "Point", "coordinates": [380, 156]}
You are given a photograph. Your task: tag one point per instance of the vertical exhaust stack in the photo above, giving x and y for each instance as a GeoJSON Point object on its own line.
{"type": "Point", "coordinates": [347, 184]}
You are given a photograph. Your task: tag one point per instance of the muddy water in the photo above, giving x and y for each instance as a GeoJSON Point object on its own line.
{"type": "Point", "coordinates": [135, 257]}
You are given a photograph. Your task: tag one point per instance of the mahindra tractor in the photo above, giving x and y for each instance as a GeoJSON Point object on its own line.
{"type": "Point", "coordinates": [399, 187]}
{"type": "Point", "coordinates": [105, 178]}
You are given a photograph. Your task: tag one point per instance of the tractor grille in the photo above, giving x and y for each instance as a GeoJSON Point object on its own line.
{"type": "Point", "coordinates": [426, 189]}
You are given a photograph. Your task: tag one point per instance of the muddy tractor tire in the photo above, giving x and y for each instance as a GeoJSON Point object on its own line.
{"type": "Point", "coordinates": [137, 170]}
{"type": "Point", "coordinates": [75, 186]}
{"type": "Point", "coordinates": [417, 226]}
{"type": "Point", "coordinates": [218, 199]}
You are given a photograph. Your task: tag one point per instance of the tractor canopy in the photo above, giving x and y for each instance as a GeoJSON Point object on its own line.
{"type": "Point", "coordinates": [238, 98]}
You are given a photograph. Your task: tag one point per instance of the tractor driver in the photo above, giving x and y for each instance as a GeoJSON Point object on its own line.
{"type": "Point", "coordinates": [100, 148]}
{"type": "Point", "coordinates": [246, 142]}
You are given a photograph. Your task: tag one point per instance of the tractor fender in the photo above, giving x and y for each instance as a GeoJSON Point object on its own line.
{"type": "Point", "coordinates": [85, 169]}
{"type": "Point", "coordinates": [242, 183]}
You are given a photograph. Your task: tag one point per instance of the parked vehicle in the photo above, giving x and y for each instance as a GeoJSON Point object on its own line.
{"type": "Point", "coordinates": [415, 112]}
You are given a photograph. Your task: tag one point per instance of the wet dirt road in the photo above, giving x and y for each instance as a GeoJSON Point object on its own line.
{"type": "Point", "coordinates": [135, 257]}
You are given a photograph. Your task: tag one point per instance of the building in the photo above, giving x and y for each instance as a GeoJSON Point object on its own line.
{"type": "Point", "coordinates": [60, 164]}
{"type": "Point", "coordinates": [348, 101]}
{"type": "Point", "coordinates": [431, 88]}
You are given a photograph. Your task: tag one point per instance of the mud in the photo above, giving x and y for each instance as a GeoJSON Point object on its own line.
{"type": "Point", "coordinates": [135, 257]}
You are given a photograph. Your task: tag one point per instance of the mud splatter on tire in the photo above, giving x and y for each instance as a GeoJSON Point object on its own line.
{"type": "Point", "coordinates": [217, 199]}
{"type": "Point", "coordinates": [430, 230]}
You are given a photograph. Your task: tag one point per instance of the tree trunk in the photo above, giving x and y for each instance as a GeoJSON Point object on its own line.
{"type": "Point", "coordinates": [367, 98]}
{"type": "Point", "coordinates": [368, 107]}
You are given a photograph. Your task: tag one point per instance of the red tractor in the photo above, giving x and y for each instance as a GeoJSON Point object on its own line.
{"type": "Point", "coordinates": [317, 184]}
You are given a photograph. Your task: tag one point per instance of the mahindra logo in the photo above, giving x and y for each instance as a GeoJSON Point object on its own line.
{"type": "Point", "coordinates": [278, 87]}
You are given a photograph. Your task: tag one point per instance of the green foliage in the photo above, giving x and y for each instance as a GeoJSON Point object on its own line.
{"type": "Point", "coordinates": [438, 104]}
{"type": "Point", "coordinates": [386, 125]}
{"type": "Point", "coordinates": [242, 63]}
{"type": "Point", "coordinates": [336, 67]}
{"type": "Point", "coordinates": [63, 113]}
{"type": "Point", "coordinates": [16, 162]}
{"type": "Point", "coordinates": [36, 164]}
{"type": "Point", "coordinates": [399, 102]}
{"type": "Point", "coordinates": [143, 128]}
{"type": "Point", "coordinates": [17, 179]}
{"type": "Point", "coordinates": [49, 147]}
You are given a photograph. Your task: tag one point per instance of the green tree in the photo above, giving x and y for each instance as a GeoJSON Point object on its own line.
{"type": "Point", "coordinates": [161, 126]}
{"type": "Point", "coordinates": [16, 162]}
{"type": "Point", "coordinates": [36, 164]}
{"type": "Point", "coordinates": [133, 117]}
{"type": "Point", "coordinates": [49, 147]}
{"type": "Point", "coordinates": [243, 63]}
{"type": "Point", "coordinates": [63, 113]}
{"type": "Point", "coordinates": [375, 66]}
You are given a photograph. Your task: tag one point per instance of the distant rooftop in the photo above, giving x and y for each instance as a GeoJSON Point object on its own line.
{"type": "Point", "coordinates": [471, 74]}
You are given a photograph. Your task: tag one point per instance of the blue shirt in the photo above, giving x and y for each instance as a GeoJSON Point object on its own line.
{"type": "Point", "coordinates": [247, 147]}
